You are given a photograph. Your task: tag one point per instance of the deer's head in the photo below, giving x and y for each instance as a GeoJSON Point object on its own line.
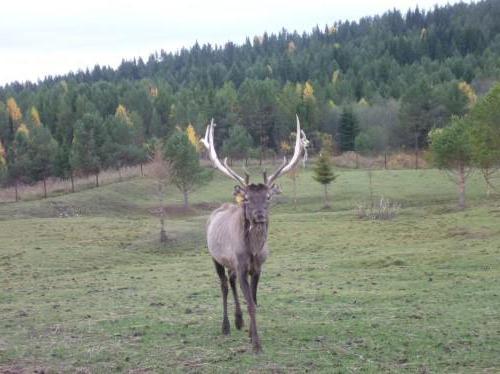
{"type": "Point", "coordinates": [255, 197]}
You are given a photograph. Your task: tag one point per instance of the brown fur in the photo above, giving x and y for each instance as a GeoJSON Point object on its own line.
{"type": "Point", "coordinates": [237, 240]}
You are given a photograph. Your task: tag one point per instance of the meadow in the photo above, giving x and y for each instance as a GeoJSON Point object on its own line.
{"type": "Point", "coordinates": [86, 287]}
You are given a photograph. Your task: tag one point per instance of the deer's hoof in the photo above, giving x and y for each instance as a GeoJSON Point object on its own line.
{"type": "Point", "coordinates": [257, 349]}
{"type": "Point", "coordinates": [238, 321]}
{"type": "Point", "coordinates": [225, 328]}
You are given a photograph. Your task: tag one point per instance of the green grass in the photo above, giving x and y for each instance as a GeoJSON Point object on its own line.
{"type": "Point", "coordinates": [96, 293]}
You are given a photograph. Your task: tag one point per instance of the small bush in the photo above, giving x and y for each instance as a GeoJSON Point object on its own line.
{"type": "Point", "coordinates": [384, 210]}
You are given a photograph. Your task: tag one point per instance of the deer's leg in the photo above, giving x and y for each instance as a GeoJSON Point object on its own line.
{"type": "Point", "coordinates": [255, 283]}
{"type": "Point", "coordinates": [247, 292]}
{"type": "Point", "coordinates": [238, 316]}
{"type": "Point", "coordinates": [223, 286]}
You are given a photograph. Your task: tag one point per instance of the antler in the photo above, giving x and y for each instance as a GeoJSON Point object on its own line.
{"type": "Point", "coordinates": [301, 144]}
{"type": "Point", "coordinates": [208, 142]}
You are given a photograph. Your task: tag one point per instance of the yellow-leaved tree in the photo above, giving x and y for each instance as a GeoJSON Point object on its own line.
{"type": "Point", "coordinates": [15, 115]}
{"type": "Point", "coordinates": [285, 147]}
{"type": "Point", "coordinates": [35, 117]}
{"type": "Point", "coordinates": [3, 162]}
{"type": "Point", "coordinates": [23, 129]}
{"type": "Point", "coordinates": [308, 92]}
{"type": "Point", "coordinates": [469, 92]}
{"type": "Point", "coordinates": [335, 76]}
{"type": "Point", "coordinates": [122, 114]}
{"type": "Point", "coordinates": [309, 108]}
{"type": "Point", "coordinates": [194, 139]}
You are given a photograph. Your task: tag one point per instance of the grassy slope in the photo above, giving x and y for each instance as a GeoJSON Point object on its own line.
{"type": "Point", "coordinates": [94, 291]}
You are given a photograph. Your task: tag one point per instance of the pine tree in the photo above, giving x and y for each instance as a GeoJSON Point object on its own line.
{"type": "Point", "coordinates": [452, 151]}
{"type": "Point", "coordinates": [485, 135]}
{"type": "Point", "coordinates": [348, 130]}
{"type": "Point", "coordinates": [42, 153]}
{"type": "Point", "coordinates": [185, 169]}
{"type": "Point", "coordinates": [121, 147]}
{"type": "Point", "coordinates": [238, 144]}
{"type": "Point", "coordinates": [87, 151]}
{"type": "Point", "coordinates": [18, 159]}
{"type": "Point", "coordinates": [4, 124]}
{"type": "Point", "coordinates": [62, 165]}
{"type": "Point", "coordinates": [323, 173]}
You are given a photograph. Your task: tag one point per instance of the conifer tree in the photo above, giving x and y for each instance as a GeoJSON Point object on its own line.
{"type": "Point", "coordinates": [348, 130]}
{"type": "Point", "coordinates": [42, 152]}
{"type": "Point", "coordinates": [186, 172]}
{"type": "Point", "coordinates": [87, 151]}
{"type": "Point", "coordinates": [18, 159]}
{"type": "Point", "coordinates": [238, 144]}
{"type": "Point", "coordinates": [4, 124]}
{"type": "Point", "coordinates": [323, 173]}
{"type": "Point", "coordinates": [62, 164]}
{"type": "Point", "coordinates": [452, 152]}
{"type": "Point", "coordinates": [485, 135]}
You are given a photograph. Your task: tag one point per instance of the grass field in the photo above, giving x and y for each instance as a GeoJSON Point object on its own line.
{"type": "Point", "coordinates": [85, 286]}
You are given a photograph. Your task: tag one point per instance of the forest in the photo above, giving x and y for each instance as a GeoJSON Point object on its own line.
{"type": "Point", "coordinates": [380, 84]}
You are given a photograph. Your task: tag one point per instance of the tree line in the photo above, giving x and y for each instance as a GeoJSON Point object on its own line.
{"type": "Point", "coordinates": [375, 85]}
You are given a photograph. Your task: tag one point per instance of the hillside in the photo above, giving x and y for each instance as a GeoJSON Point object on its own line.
{"type": "Point", "coordinates": [382, 71]}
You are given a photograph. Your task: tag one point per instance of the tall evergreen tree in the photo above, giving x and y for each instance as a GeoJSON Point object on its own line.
{"type": "Point", "coordinates": [186, 172]}
{"type": "Point", "coordinates": [485, 135]}
{"type": "Point", "coordinates": [62, 164]}
{"type": "Point", "coordinates": [18, 159]}
{"type": "Point", "coordinates": [238, 144]}
{"type": "Point", "coordinates": [87, 154]}
{"type": "Point", "coordinates": [42, 154]}
{"type": "Point", "coordinates": [452, 151]}
{"type": "Point", "coordinates": [348, 130]}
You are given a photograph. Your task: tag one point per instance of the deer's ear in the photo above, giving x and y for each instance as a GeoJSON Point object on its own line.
{"type": "Point", "coordinates": [274, 190]}
{"type": "Point", "coordinates": [239, 195]}
{"type": "Point", "coordinates": [238, 191]}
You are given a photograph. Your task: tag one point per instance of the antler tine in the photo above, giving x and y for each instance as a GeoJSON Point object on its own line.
{"type": "Point", "coordinates": [205, 140]}
{"type": "Point", "coordinates": [233, 173]}
{"type": "Point", "coordinates": [301, 144]}
{"type": "Point", "coordinates": [247, 174]}
{"type": "Point", "coordinates": [208, 142]}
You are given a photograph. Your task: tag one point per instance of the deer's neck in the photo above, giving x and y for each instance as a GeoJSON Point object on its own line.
{"type": "Point", "coordinates": [255, 236]}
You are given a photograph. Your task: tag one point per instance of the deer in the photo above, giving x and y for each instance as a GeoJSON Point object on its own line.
{"type": "Point", "coordinates": [237, 233]}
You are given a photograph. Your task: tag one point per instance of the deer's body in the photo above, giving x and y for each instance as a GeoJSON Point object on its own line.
{"type": "Point", "coordinates": [237, 234]}
{"type": "Point", "coordinates": [230, 239]}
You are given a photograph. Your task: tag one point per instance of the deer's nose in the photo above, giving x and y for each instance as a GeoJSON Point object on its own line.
{"type": "Point", "coordinates": [260, 216]}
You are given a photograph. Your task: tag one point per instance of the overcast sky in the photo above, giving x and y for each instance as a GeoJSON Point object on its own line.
{"type": "Point", "coordinates": [39, 38]}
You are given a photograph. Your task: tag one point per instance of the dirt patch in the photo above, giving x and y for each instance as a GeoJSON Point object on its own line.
{"type": "Point", "coordinates": [174, 210]}
{"type": "Point", "coordinates": [466, 233]}
{"type": "Point", "coordinates": [207, 206]}
{"type": "Point", "coordinates": [16, 369]}
{"type": "Point", "coordinates": [386, 262]}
